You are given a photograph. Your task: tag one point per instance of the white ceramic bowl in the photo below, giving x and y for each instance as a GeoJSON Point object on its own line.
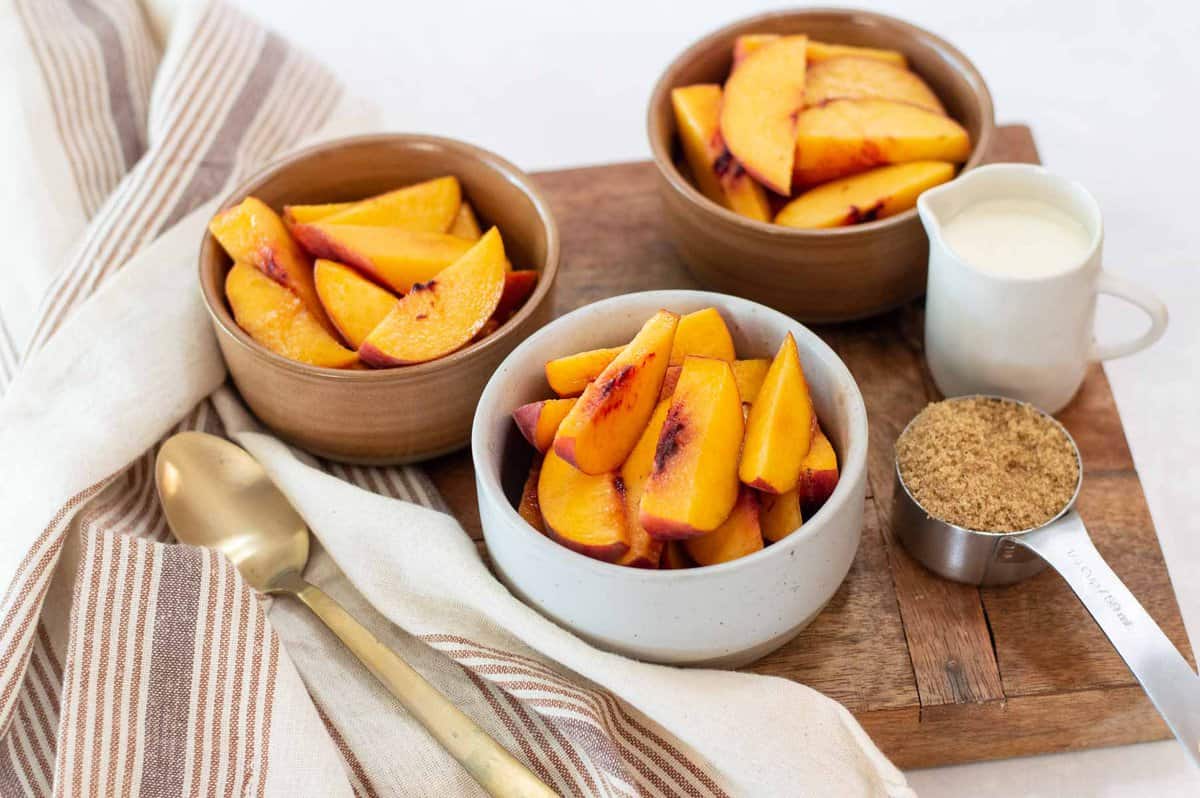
{"type": "Point", "coordinates": [722, 615]}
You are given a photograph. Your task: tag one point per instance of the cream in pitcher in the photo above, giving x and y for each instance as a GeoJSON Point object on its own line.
{"type": "Point", "coordinates": [1014, 271]}
{"type": "Point", "coordinates": [1017, 236]}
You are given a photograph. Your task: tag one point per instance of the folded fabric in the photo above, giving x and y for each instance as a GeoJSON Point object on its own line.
{"type": "Point", "coordinates": [133, 665]}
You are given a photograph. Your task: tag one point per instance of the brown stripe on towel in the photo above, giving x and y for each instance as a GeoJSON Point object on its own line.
{"type": "Point", "coordinates": [171, 658]}
{"type": "Point", "coordinates": [129, 128]}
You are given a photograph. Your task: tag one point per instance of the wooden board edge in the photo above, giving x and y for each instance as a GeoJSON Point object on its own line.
{"type": "Point", "coordinates": [955, 734]}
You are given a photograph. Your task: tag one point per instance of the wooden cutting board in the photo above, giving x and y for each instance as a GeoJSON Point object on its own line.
{"type": "Point", "coordinates": [937, 672]}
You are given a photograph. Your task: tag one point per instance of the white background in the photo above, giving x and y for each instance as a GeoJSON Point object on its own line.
{"type": "Point", "coordinates": [1110, 89]}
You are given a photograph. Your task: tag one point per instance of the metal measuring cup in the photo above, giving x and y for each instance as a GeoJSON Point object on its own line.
{"type": "Point", "coordinates": [1002, 558]}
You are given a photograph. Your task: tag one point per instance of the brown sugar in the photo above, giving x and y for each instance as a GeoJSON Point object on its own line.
{"type": "Point", "coordinates": [987, 464]}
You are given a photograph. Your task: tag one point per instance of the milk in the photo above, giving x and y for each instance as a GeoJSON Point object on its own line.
{"type": "Point", "coordinates": [1017, 237]}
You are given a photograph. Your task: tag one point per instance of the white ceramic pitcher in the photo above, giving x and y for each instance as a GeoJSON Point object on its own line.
{"type": "Point", "coordinates": [1029, 338]}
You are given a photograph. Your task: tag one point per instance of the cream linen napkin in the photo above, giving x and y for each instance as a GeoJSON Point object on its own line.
{"type": "Point", "coordinates": [130, 665]}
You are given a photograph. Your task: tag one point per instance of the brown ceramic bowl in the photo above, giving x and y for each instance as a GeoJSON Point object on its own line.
{"type": "Point", "coordinates": [814, 275]}
{"type": "Point", "coordinates": [390, 415]}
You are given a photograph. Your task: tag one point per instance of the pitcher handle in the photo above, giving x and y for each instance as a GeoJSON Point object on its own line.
{"type": "Point", "coordinates": [1116, 286]}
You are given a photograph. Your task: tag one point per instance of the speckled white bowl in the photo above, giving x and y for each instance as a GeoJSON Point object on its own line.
{"type": "Point", "coordinates": [723, 615]}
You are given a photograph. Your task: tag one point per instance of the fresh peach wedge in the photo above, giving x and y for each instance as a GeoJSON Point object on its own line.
{"type": "Point", "coordinates": [823, 51]}
{"type": "Point", "coordinates": [780, 515]}
{"type": "Point", "coordinates": [583, 512]}
{"type": "Point", "coordinates": [251, 232]}
{"type": "Point", "coordinates": [604, 425]}
{"type": "Point", "coordinates": [355, 304]}
{"type": "Point", "coordinates": [738, 535]}
{"type": "Point", "coordinates": [644, 550]}
{"type": "Point", "coordinates": [819, 473]}
{"type": "Point", "coordinates": [704, 334]}
{"type": "Point", "coordinates": [717, 173]}
{"type": "Point", "coordinates": [428, 207]}
{"type": "Point", "coordinates": [518, 285]}
{"type": "Point", "coordinates": [465, 224]}
{"type": "Point", "coordinates": [694, 482]}
{"type": "Point", "coordinates": [867, 79]}
{"type": "Point", "coordinates": [747, 43]}
{"type": "Point", "coordinates": [779, 430]}
{"type": "Point", "coordinates": [439, 316]}
{"type": "Point", "coordinates": [528, 508]}
{"type": "Point", "coordinates": [538, 421]}
{"type": "Point", "coordinates": [817, 51]}
{"type": "Point", "coordinates": [569, 375]}
{"type": "Point", "coordinates": [748, 374]}
{"type": "Point", "coordinates": [306, 214]}
{"type": "Point", "coordinates": [845, 137]}
{"type": "Point", "coordinates": [390, 256]}
{"type": "Point", "coordinates": [758, 114]}
{"type": "Point", "coordinates": [280, 321]}
{"type": "Point", "coordinates": [675, 557]}
{"type": "Point", "coordinates": [876, 194]}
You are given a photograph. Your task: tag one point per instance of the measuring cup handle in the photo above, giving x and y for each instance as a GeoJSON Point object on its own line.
{"type": "Point", "coordinates": [1168, 679]}
{"type": "Point", "coordinates": [1113, 285]}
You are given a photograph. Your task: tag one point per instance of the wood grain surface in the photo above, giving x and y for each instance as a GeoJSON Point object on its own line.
{"type": "Point", "coordinates": [937, 672]}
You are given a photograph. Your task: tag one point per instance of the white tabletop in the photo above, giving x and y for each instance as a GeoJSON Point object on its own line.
{"type": "Point", "coordinates": [1111, 93]}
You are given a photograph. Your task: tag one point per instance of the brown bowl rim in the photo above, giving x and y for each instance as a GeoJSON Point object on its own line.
{"type": "Point", "coordinates": [224, 321]}
{"type": "Point", "coordinates": [666, 164]}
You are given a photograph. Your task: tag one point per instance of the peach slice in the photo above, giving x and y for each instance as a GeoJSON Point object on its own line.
{"type": "Point", "coordinates": [758, 115]}
{"type": "Point", "coordinates": [675, 557]}
{"type": "Point", "coordinates": [251, 232]}
{"type": "Point", "coordinates": [518, 285]}
{"type": "Point", "coordinates": [583, 512]}
{"type": "Point", "coordinates": [538, 421]}
{"type": "Point", "coordinates": [817, 51]}
{"type": "Point", "coordinates": [644, 550]}
{"type": "Point", "coordinates": [280, 321]}
{"type": "Point", "coordinates": [748, 43]}
{"type": "Point", "coordinates": [439, 316]}
{"type": "Point", "coordinates": [749, 375]}
{"type": "Point", "coordinates": [717, 173]}
{"type": "Point", "coordinates": [569, 375]}
{"type": "Point", "coordinates": [428, 207]}
{"type": "Point", "coordinates": [604, 425]}
{"type": "Point", "coordinates": [819, 473]}
{"type": "Point", "coordinates": [694, 482]}
{"type": "Point", "coordinates": [780, 515]}
{"type": "Point", "coordinates": [845, 137]}
{"type": "Point", "coordinates": [528, 508]}
{"type": "Point", "coordinates": [306, 214]}
{"type": "Point", "coordinates": [867, 79]}
{"type": "Point", "coordinates": [876, 194]}
{"type": "Point", "coordinates": [390, 256]}
{"type": "Point", "coordinates": [355, 304]}
{"type": "Point", "coordinates": [465, 225]}
{"type": "Point", "coordinates": [779, 430]}
{"type": "Point", "coordinates": [738, 535]}
{"type": "Point", "coordinates": [823, 51]}
{"type": "Point", "coordinates": [702, 333]}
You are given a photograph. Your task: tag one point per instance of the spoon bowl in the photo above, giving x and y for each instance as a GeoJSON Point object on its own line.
{"type": "Point", "coordinates": [216, 495]}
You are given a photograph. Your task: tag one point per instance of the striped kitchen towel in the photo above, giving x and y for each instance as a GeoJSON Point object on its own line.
{"type": "Point", "coordinates": [131, 665]}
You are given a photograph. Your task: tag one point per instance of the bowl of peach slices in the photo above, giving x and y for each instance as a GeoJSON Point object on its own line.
{"type": "Point", "coordinates": [791, 149]}
{"type": "Point", "coordinates": [364, 290]}
{"type": "Point", "coordinates": [678, 476]}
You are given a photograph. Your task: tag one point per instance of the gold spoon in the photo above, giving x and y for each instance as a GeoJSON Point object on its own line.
{"type": "Point", "coordinates": [214, 494]}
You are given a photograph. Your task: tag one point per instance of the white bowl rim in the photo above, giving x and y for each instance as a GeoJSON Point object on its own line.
{"type": "Point", "coordinates": [853, 465]}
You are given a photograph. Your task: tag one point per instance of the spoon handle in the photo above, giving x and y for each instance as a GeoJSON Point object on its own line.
{"type": "Point", "coordinates": [496, 770]}
{"type": "Point", "coordinates": [1166, 676]}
